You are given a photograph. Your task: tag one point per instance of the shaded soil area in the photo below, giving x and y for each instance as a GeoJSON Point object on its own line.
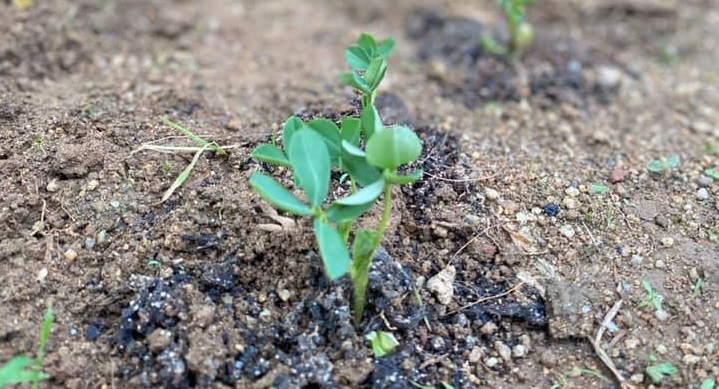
{"type": "Point", "coordinates": [536, 215]}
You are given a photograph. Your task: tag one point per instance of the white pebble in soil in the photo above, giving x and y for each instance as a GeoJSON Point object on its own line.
{"type": "Point", "coordinates": [702, 194]}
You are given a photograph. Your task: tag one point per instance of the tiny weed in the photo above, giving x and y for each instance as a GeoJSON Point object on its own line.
{"type": "Point", "coordinates": [653, 299]}
{"type": "Point", "coordinates": [521, 34]}
{"type": "Point", "coordinates": [382, 343]}
{"type": "Point", "coordinates": [38, 144]}
{"type": "Point", "coordinates": [659, 371]}
{"type": "Point", "coordinates": [708, 384]}
{"type": "Point", "coordinates": [598, 189]}
{"type": "Point", "coordinates": [313, 149]}
{"type": "Point", "coordinates": [697, 288]}
{"type": "Point", "coordinates": [663, 165]}
{"type": "Point", "coordinates": [21, 369]}
{"type": "Point", "coordinates": [712, 173]}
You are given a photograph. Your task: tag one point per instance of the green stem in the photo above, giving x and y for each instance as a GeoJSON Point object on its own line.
{"type": "Point", "coordinates": [360, 275]}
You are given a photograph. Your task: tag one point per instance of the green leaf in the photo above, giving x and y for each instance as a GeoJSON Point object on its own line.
{"type": "Point", "coordinates": [354, 80]}
{"type": "Point", "coordinates": [708, 384]}
{"type": "Point", "coordinates": [392, 147]}
{"type": "Point", "coordinates": [375, 72]}
{"type": "Point", "coordinates": [333, 251]}
{"type": "Point", "coordinates": [311, 163]}
{"type": "Point", "coordinates": [656, 166]}
{"type": "Point", "coordinates": [661, 370]}
{"type": "Point", "coordinates": [45, 332]}
{"type": "Point", "coordinates": [357, 58]}
{"type": "Point", "coordinates": [17, 370]}
{"type": "Point", "coordinates": [367, 42]}
{"type": "Point", "coordinates": [672, 161]}
{"type": "Point", "coordinates": [330, 133]}
{"type": "Point", "coordinates": [358, 168]}
{"type": "Point", "coordinates": [382, 343]}
{"type": "Point", "coordinates": [292, 125]}
{"type": "Point", "coordinates": [386, 47]}
{"type": "Point", "coordinates": [270, 154]}
{"type": "Point", "coordinates": [712, 173]}
{"type": "Point", "coordinates": [350, 130]}
{"type": "Point", "coordinates": [490, 45]}
{"type": "Point", "coordinates": [277, 195]}
{"type": "Point", "coordinates": [366, 195]}
{"type": "Point", "coordinates": [337, 213]}
{"type": "Point", "coordinates": [398, 179]}
{"type": "Point", "coordinates": [363, 248]}
{"type": "Point", "coordinates": [352, 149]}
{"type": "Point", "coordinates": [598, 189]}
{"type": "Point", "coordinates": [371, 121]}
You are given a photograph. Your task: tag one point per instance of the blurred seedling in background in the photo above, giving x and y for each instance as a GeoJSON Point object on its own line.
{"type": "Point", "coordinates": [368, 65]}
{"type": "Point", "coordinates": [382, 343]}
{"type": "Point", "coordinates": [203, 145]}
{"type": "Point", "coordinates": [663, 165]}
{"type": "Point", "coordinates": [658, 371]}
{"type": "Point", "coordinates": [653, 299]}
{"type": "Point", "coordinates": [521, 34]}
{"type": "Point", "coordinates": [22, 369]}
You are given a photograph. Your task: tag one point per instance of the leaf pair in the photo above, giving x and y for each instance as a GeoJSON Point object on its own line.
{"type": "Point", "coordinates": [360, 55]}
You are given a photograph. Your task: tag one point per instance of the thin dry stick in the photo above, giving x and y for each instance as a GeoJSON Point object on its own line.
{"type": "Point", "coordinates": [485, 299]}
{"type": "Point", "coordinates": [603, 356]}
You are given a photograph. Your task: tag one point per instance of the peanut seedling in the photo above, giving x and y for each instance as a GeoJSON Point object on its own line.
{"type": "Point", "coordinates": [368, 65]}
{"type": "Point", "coordinates": [521, 34]}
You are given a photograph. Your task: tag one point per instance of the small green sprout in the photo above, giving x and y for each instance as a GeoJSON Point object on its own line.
{"type": "Point", "coordinates": [697, 288]}
{"type": "Point", "coordinates": [712, 173]}
{"type": "Point", "coordinates": [382, 343]}
{"type": "Point", "coordinates": [708, 384]}
{"type": "Point", "coordinates": [653, 299]}
{"type": "Point", "coordinates": [521, 34]}
{"type": "Point", "coordinates": [21, 369]}
{"type": "Point", "coordinates": [598, 189]}
{"type": "Point", "coordinates": [663, 165]}
{"type": "Point", "coordinates": [659, 371]}
{"type": "Point", "coordinates": [368, 65]}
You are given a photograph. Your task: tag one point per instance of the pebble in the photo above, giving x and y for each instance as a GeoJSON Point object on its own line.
{"type": "Point", "coordinates": [667, 242]}
{"type": "Point", "coordinates": [570, 203]}
{"type": "Point", "coordinates": [89, 243]}
{"type": "Point", "coordinates": [101, 237]}
{"type": "Point", "coordinates": [519, 351]}
{"type": "Point", "coordinates": [42, 274]}
{"type": "Point", "coordinates": [661, 349]}
{"type": "Point", "coordinates": [52, 186]}
{"type": "Point", "coordinates": [284, 294]}
{"type": "Point", "coordinates": [637, 260]}
{"type": "Point", "coordinates": [70, 255]}
{"type": "Point", "coordinates": [551, 210]}
{"type": "Point", "coordinates": [548, 358]}
{"type": "Point", "coordinates": [609, 76]}
{"type": "Point", "coordinates": [567, 230]}
{"type": "Point", "coordinates": [491, 194]}
{"type": "Point", "coordinates": [491, 362]}
{"type": "Point", "coordinates": [488, 328]}
{"type": "Point", "coordinates": [442, 285]}
{"type": "Point", "coordinates": [475, 355]}
{"type": "Point", "coordinates": [115, 204]}
{"type": "Point", "coordinates": [233, 124]}
{"type": "Point", "coordinates": [92, 185]}
{"type": "Point", "coordinates": [503, 350]}
{"type": "Point", "coordinates": [704, 181]}
{"type": "Point", "coordinates": [702, 194]}
{"type": "Point", "coordinates": [631, 343]}
{"type": "Point", "coordinates": [617, 175]}
{"type": "Point", "coordinates": [637, 378]}
{"type": "Point", "coordinates": [661, 315]}
{"type": "Point", "coordinates": [691, 359]}
{"type": "Point", "coordinates": [659, 264]}
{"type": "Point", "coordinates": [438, 343]}
{"type": "Point", "coordinates": [572, 191]}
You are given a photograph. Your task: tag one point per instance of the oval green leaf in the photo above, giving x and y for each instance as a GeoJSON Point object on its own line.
{"type": "Point", "coordinates": [311, 163]}
{"type": "Point", "coordinates": [292, 125]}
{"type": "Point", "coordinates": [352, 149]}
{"type": "Point", "coordinates": [334, 253]}
{"type": "Point", "coordinates": [350, 130]}
{"type": "Point", "coordinates": [277, 195]}
{"type": "Point", "coordinates": [366, 195]}
{"type": "Point", "coordinates": [271, 154]}
{"type": "Point", "coordinates": [354, 80]}
{"type": "Point", "coordinates": [357, 57]}
{"type": "Point", "coordinates": [392, 147]}
{"type": "Point", "coordinates": [337, 213]}
{"type": "Point", "coordinates": [330, 133]}
{"type": "Point", "coordinates": [358, 168]}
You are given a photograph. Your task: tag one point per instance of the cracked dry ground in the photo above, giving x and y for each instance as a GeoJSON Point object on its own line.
{"type": "Point", "coordinates": [515, 254]}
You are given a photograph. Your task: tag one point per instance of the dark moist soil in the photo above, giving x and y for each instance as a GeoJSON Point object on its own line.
{"type": "Point", "coordinates": [497, 267]}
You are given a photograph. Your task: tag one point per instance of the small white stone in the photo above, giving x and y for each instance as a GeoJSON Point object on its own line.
{"type": "Point", "coordinates": [442, 285]}
{"type": "Point", "coordinates": [284, 294]}
{"type": "Point", "coordinates": [567, 230]}
{"type": "Point", "coordinates": [572, 191]}
{"type": "Point", "coordinates": [519, 351]}
{"type": "Point", "coordinates": [491, 194]}
{"type": "Point", "coordinates": [475, 355]}
{"type": "Point", "coordinates": [70, 255]}
{"type": "Point", "coordinates": [503, 350]}
{"type": "Point", "coordinates": [667, 242]}
{"type": "Point", "coordinates": [491, 362]}
{"type": "Point", "coordinates": [661, 315]}
{"type": "Point", "coordinates": [637, 378]}
{"type": "Point", "coordinates": [53, 186]}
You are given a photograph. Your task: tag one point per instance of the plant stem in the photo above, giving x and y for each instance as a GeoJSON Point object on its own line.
{"type": "Point", "coordinates": [360, 277]}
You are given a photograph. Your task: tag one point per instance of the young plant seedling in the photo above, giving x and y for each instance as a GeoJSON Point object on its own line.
{"type": "Point", "coordinates": [368, 65]}
{"type": "Point", "coordinates": [663, 165]}
{"type": "Point", "coordinates": [382, 343]}
{"type": "Point", "coordinates": [653, 298]}
{"type": "Point", "coordinates": [521, 34]}
{"type": "Point", "coordinates": [22, 369]}
{"type": "Point", "coordinates": [311, 150]}
{"type": "Point", "coordinates": [659, 371]}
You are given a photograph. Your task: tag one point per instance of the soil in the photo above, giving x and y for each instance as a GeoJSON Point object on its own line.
{"type": "Point", "coordinates": [536, 215]}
